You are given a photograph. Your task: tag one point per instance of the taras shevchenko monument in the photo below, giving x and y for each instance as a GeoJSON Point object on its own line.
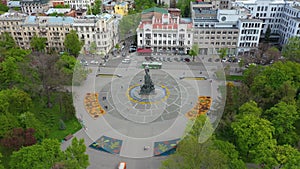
{"type": "Point", "coordinates": [148, 86]}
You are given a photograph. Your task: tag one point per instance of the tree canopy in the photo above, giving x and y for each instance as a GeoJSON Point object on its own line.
{"type": "Point", "coordinates": [291, 50]}
{"type": "Point", "coordinates": [72, 43]}
{"type": "Point", "coordinates": [96, 9]}
{"type": "Point", "coordinates": [38, 43]}
{"type": "Point", "coordinates": [194, 51]}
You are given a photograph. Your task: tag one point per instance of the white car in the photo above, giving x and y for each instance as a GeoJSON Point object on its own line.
{"type": "Point", "coordinates": [94, 62]}
{"type": "Point", "coordinates": [126, 61]}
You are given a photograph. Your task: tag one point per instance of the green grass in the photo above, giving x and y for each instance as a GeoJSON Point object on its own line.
{"type": "Point", "coordinates": [72, 126]}
{"type": "Point", "coordinates": [50, 117]}
{"type": "Point", "coordinates": [234, 78]}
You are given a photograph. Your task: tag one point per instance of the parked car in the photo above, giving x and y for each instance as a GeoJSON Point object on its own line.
{"type": "Point", "coordinates": [127, 61]}
{"type": "Point", "coordinates": [94, 62]}
{"type": "Point", "coordinates": [122, 165]}
{"type": "Point", "coordinates": [187, 60]}
{"type": "Point", "coordinates": [84, 62]}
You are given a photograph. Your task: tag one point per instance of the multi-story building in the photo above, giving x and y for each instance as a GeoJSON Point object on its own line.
{"type": "Point", "coordinates": [290, 23]}
{"type": "Point", "coordinates": [34, 6]}
{"type": "Point", "coordinates": [103, 30]}
{"type": "Point", "coordinates": [281, 16]}
{"type": "Point", "coordinates": [79, 4]}
{"type": "Point", "coordinates": [220, 28]}
{"type": "Point", "coordinates": [249, 34]}
{"type": "Point", "coordinates": [163, 32]}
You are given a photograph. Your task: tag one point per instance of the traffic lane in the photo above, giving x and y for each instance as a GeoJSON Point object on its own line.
{"type": "Point", "coordinates": [102, 160]}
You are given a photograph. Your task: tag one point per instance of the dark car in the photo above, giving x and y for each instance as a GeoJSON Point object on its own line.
{"type": "Point", "coordinates": [187, 60]}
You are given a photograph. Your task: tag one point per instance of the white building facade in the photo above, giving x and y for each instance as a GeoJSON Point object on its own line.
{"type": "Point", "coordinates": [281, 16]}
{"type": "Point", "coordinates": [34, 6]}
{"type": "Point", "coordinates": [79, 4]}
{"type": "Point", "coordinates": [165, 32]}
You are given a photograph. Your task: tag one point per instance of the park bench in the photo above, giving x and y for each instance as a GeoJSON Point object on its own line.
{"type": "Point", "coordinates": [68, 137]}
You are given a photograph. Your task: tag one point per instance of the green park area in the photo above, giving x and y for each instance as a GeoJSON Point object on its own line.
{"type": "Point", "coordinates": [37, 111]}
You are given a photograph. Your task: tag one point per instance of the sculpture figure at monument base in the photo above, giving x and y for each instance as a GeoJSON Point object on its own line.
{"type": "Point", "coordinates": [148, 87]}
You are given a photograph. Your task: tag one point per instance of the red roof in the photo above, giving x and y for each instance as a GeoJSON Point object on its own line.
{"type": "Point", "coordinates": [140, 50]}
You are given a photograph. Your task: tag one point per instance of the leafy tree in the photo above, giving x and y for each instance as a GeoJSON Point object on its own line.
{"type": "Point", "coordinates": [93, 48]}
{"type": "Point", "coordinates": [231, 153]}
{"type": "Point", "coordinates": [43, 155]}
{"type": "Point", "coordinates": [96, 9]}
{"type": "Point", "coordinates": [250, 108]}
{"type": "Point", "coordinates": [89, 10]}
{"type": "Point", "coordinates": [184, 6]}
{"type": "Point", "coordinates": [66, 64]}
{"type": "Point", "coordinates": [128, 25]}
{"type": "Point", "coordinates": [75, 157]}
{"type": "Point", "coordinates": [252, 134]}
{"type": "Point", "coordinates": [250, 74]}
{"type": "Point", "coordinates": [38, 43]}
{"type": "Point", "coordinates": [69, 109]}
{"type": "Point", "coordinates": [196, 152]}
{"type": "Point", "coordinates": [268, 34]}
{"type": "Point", "coordinates": [283, 117]}
{"type": "Point", "coordinates": [3, 7]}
{"type": "Point", "coordinates": [7, 41]}
{"type": "Point", "coordinates": [79, 74]}
{"type": "Point", "coordinates": [72, 43]}
{"type": "Point", "coordinates": [1, 166]}
{"type": "Point", "coordinates": [143, 4]}
{"type": "Point", "coordinates": [28, 120]}
{"type": "Point", "coordinates": [194, 51]}
{"type": "Point", "coordinates": [49, 74]}
{"type": "Point", "coordinates": [7, 123]}
{"type": "Point", "coordinates": [18, 138]}
{"type": "Point", "coordinates": [117, 47]}
{"type": "Point", "coordinates": [291, 50]}
{"type": "Point", "coordinates": [10, 76]}
{"type": "Point", "coordinates": [272, 53]}
{"type": "Point", "coordinates": [287, 157]}
{"type": "Point", "coordinates": [223, 52]}
{"type": "Point", "coordinates": [14, 101]}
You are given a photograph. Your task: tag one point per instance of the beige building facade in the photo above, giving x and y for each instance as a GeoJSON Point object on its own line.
{"type": "Point", "coordinates": [103, 30]}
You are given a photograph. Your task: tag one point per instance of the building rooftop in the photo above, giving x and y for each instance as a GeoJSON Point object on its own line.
{"type": "Point", "coordinates": [12, 16]}
{"type": "Point", "coordinates": [13, 4]}
{"type": "Point", "coordinates": [34, 1]}
{"type": "Point", "coordinates": [49, 20]}
{"type": "Point", "coordinates": [186, 20]}
{"type": "Point", "coordinates": [57, 10]}
{"type": "Point", "coordinates": [155, 9]}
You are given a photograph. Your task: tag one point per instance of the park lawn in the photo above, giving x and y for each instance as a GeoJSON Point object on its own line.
{"type": "Point", "coordinates": [234, 78]}
{"type": "Point", "coordinates": [72, 126]}
{"type": "Point", "coordinates": [50, 117]}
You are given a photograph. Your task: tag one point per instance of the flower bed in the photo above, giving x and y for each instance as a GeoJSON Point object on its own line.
{"type": "Point", "coordinates": [202, 107]}
{"type": "Point", "coordinates": [92, 105]}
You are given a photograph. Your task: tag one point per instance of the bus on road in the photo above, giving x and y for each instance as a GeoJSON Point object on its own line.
{"type": "Point", "coordinates": [152, 65]}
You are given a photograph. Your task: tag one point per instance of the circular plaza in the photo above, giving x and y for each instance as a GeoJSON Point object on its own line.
{"type": "Point", "coordinates": [122, 121]}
